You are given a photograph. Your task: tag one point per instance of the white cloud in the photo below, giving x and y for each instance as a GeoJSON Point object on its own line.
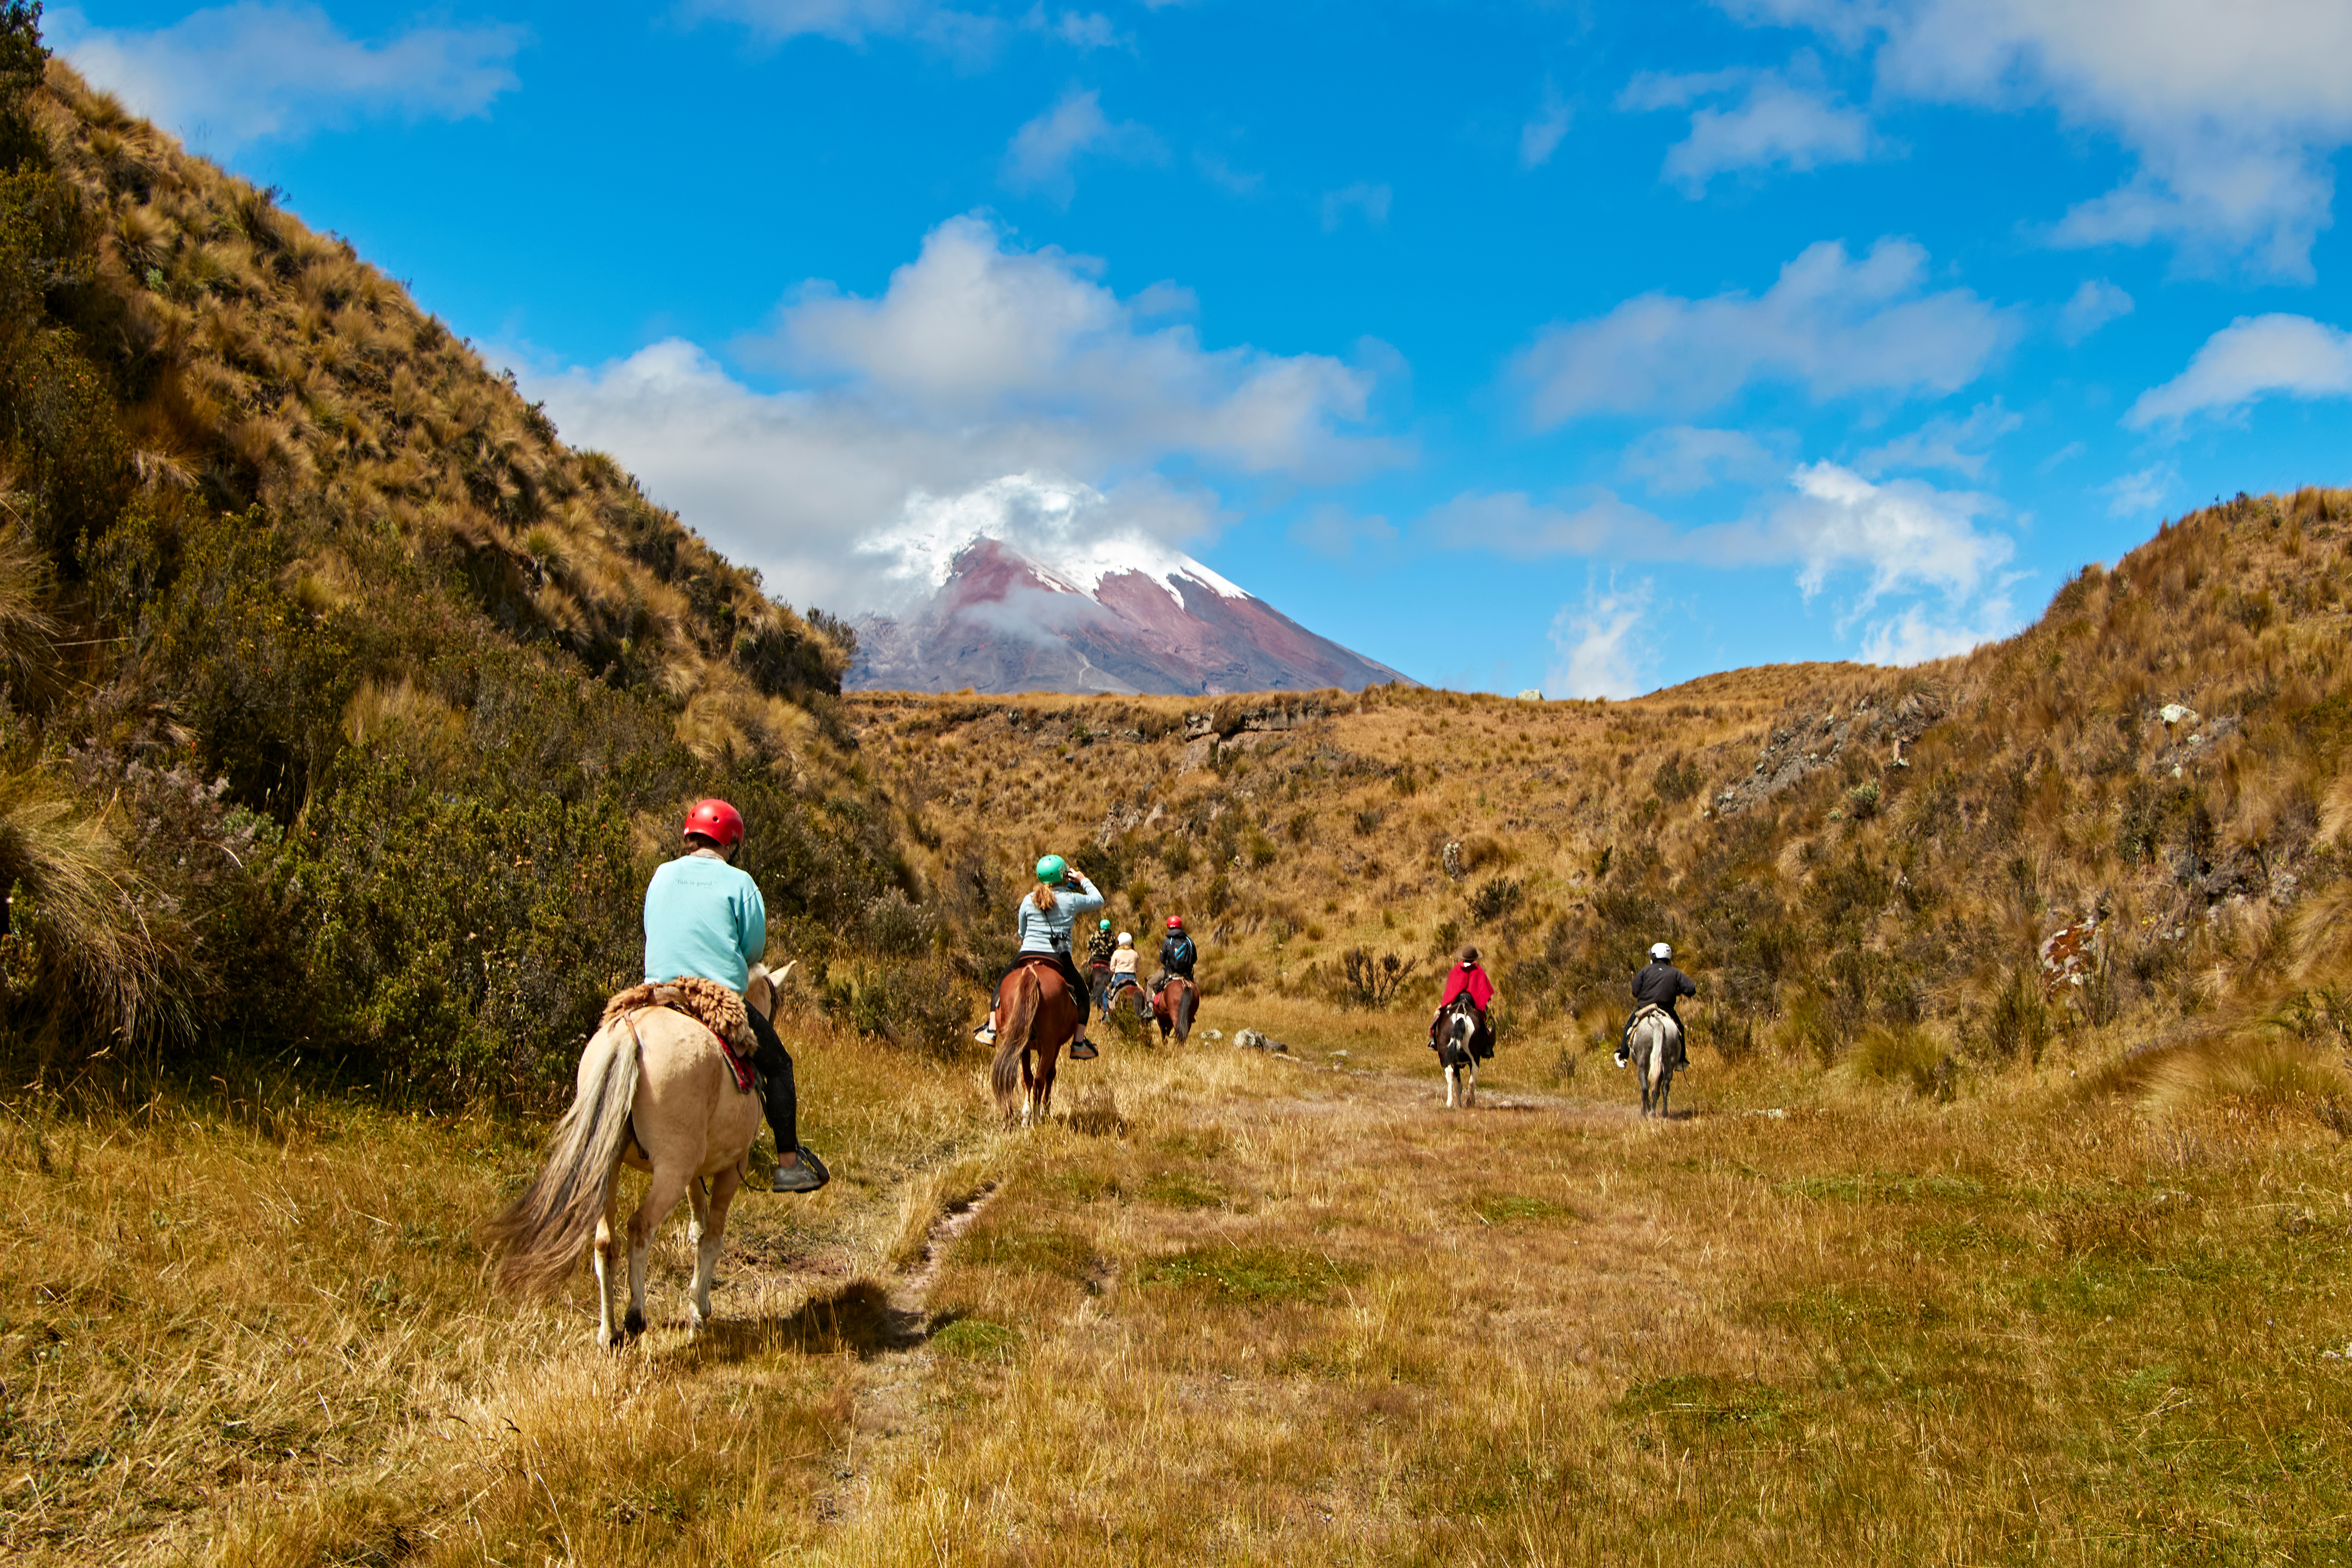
{"type": "Point", "coordinates": [1043, 151]}
{"type": "Point", "coordinates": [1223, 176]}
{"type": "Point", "coordinates": [2253, 357]}
{"type": "Point", "coordinates": [1598, 648]}
{"type": "Point", "coordinates": [1954, 445]}
{"type": "Point", "coordinates": [2234, 111]}
{"type": "Point", "coordinates": [232, 75]}
{"type": "Point", "coordinates": [1372, 201]}
{"type": "Point", "coordinates": [978, 364]}
{"type": "Point", "coordinates": [1917, 636]}
{"type": "Point", "coordinates": [1337, 533]}
{"type": "Point", "coordinates": [2092, 306]}
{"type": "Point", "coordinates": [1540, 136]}
{"type": "Point", "coordinates": [1083, 30]}
{"type": "Point", "coordinates": [965, 33]}
{"type": "Point", "coordinates": [1776, 122]}
{"type": "Point", "coordinates": [1831, 323]}
{"type": "Point", "coordinates": [1679, 460]}
{"type": "Point", "coordinates": [2133, 495]}
{"type": "Point", "coordinates": [1903, 536]}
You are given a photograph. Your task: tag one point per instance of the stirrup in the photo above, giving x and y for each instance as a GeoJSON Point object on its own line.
{"type": "Point", "coordinates": [984, 1034]}
{"type": "Point", "coordinates": [806, 1176]}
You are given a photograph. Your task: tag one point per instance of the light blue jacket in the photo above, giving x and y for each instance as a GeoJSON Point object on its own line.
{"type": "Point", "coordinates": [1043, 933]}
{"type": "Point", "coordinates": [706, 918]}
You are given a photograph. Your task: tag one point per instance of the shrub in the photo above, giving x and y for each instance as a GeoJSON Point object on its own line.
{"type": "Point", "coordinates": [2017, 1025]}
{"type": "Point", "coordinates": [1366, 984]}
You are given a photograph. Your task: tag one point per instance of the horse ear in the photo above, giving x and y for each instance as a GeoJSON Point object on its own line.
{"type": "Point", "coordinates": [759, 991]}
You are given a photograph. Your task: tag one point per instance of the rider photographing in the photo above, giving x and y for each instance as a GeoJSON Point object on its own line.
{"type": "Point", "coordinates": [704, 918]}
{"type": "Point", "coordinates": [1048, 912]}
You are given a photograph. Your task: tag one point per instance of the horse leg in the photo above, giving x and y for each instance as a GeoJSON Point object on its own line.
{"type": "Point", "coordinates": [606, 1253]}
{"type": "Point", "coordinates": [711, 1233]}
{"type": "Point", "coordinates": [1452, 1073]}
{"type": "Point", "coordinates": [1046, 1060]}
{"type": "Point", "coordinates": [1470, 1084]}
{"type": "Point", "coordinates": [669, 1185]}
{"type": "Point", "coordinates": [1028, 1091]}
{"type": "Point", "coordinates": [697, 1226]}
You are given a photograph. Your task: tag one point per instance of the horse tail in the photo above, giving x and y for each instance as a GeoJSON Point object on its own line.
{"type": "Point", "coordinates": [1017, 1018]}
{"type": "Point", "coordinates": [538, 1241]}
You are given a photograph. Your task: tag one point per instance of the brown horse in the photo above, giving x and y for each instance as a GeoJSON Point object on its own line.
{"type": "Point", "coordinates": [1035, 1015]}
{"type": "Point", "coordinates": [655, 1093]}
{"type": "Point", "coordinates": [1173, 1005]}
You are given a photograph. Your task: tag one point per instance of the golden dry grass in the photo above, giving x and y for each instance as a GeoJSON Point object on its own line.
{"type": "Point", "coordinates": [1237, 1308]}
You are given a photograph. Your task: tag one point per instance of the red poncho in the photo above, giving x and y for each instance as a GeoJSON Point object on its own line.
{"type": "Point", "coordinates": [1471, 978]}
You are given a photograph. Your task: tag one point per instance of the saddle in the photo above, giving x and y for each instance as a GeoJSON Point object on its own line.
{"type": "Point", "coordinates": [709, 1004]}
{"type": "Point", "coordinates": [1650, 1010]}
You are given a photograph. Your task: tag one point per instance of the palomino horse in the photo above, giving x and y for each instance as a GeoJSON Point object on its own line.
{"type": "Point", "coordinates": [1173, 1005]}
{"type": "Point", "coordinates": [1457, 1029]}
{"type": "Point", "coordinates": [1655, 1045]}
{"type": "Point", "coordinates": [655, 1093]}
{"type": "Point", "coordinates": [1035, 1015]}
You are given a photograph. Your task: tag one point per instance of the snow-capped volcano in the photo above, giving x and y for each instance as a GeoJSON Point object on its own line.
{"type": "Point", "coordinates": [1060, 612]}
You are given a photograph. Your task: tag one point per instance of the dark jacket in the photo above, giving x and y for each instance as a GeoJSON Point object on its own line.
{"type": "Point", "coordinates": [1177, 955]}
{"type": "Point", "coordinates": [1100, 948]}
{"type": "Point", "coordinates": [1661, 984]}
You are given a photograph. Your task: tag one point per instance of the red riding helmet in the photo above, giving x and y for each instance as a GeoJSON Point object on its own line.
{"type": "Point", "coordinates": [1175, 923]}
{"type": "Point", "coordinates": [715, 820]}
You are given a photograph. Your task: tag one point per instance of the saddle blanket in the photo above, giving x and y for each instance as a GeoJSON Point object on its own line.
{"type": "Point", "coordinates": [709, 1004]}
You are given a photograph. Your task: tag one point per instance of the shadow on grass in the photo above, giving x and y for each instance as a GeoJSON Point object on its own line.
{"type": "Point", "coordinates": [859, 1319]}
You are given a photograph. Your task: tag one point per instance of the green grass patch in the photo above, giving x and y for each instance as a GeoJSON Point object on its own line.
{"type": "Point", "coordinates": [975, 1339]}
{"type": "Point", "coordinates": [1704, 1401]}
{"type": "Point", "coordinates": [1879, 1186]}
{"type": "Point", "coordinates": [1059, 1252]}
{"type": "Point", "coordinates": [1255, 1274]}
{"type": "Point", "coordinates": [1504, 1208]}
{"type": "Point", "coordinates": [1183, 1190]}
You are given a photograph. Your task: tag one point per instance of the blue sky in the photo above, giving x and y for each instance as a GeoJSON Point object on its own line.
{"type": "Point", "coordinates": [1582, 346]}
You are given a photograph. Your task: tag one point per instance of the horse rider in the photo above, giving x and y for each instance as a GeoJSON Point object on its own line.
{"type": "Point", "coordinates": [1124, 977]}
{"type": "Point", "coordinates": [1046, 919]}
{"type": "Point", "coordinates": [1177, 953]}
{"type": "Point", "coordinates": [1467, 977]}
{"type": "Point", "coordinates": [1659, 984]}
{"type": "Point", "coordinates": [704, 918]}
{"type": "Point", "coordinates": [1101, 947]}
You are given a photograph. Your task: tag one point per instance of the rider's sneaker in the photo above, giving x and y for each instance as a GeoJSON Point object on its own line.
{"type": "Point", "coordinates": [985, 1033]}
{"type": "Point", "coordinates": [806, 1174]}
{"type": "Point", "coordinates": [1083, 1051]}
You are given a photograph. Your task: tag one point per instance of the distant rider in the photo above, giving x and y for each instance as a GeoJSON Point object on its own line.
{"type": "Point", "coordinates": [1177, 953]}
{"type": "Point", "coordinates": [704, 918]}
{"type": "Point", "coordinates": [1660, 984]}
{"type": "Point", "coordinates": [1101, 947]}
{"type": "Point", "coordinates": [1046, 919]}
{"type": "Point", "coordinates": [1467, 977]}
{"type": "Point", "coordinates": [1123, 978]}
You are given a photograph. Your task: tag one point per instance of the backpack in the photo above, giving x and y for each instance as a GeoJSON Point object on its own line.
{"type": "Point", "coordinates": [1180, 952]}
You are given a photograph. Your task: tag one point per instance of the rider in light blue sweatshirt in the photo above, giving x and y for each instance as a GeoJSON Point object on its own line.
{"type": "Point", "coordinates": [1049, 911]}
{"type": "Point", "coordinates": [705, 918]}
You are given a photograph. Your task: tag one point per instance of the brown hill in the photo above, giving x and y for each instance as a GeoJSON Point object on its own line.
{"type": "Point", "coordinates": [1844, 856]}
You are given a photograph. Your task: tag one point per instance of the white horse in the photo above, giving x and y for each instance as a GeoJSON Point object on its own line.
{"type": "Point", "coordinates": [655, 1093]}
{"type": "Point", "coordinates": [1455, 1031]}
{"type": "Point", "coordinates": [1654, 1048]}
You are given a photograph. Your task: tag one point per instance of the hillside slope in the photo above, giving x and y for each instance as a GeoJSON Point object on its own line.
{"type": "Point", "coordinates": [1851, 860]}
{"type": "Point", "coordinates": [346, 703]}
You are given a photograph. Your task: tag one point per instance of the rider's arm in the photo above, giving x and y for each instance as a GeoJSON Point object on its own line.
{"type": "Point", "coordinates": [751, 927]}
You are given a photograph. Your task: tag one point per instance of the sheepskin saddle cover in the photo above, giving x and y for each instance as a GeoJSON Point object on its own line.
{"type": "Point", "coordinates": [709, 1004]}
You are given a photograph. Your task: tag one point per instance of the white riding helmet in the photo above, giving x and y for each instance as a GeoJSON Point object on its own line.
{"type": "Point", "coordinates": [1125, 939]}
{"type": "Point", "coordinates": [1660, 949]}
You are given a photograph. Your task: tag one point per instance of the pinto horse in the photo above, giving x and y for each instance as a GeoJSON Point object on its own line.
{"type": "Point", "coordinates": [1036, 1017]}
{"type": "Point", "coordinates": [1457, 1035]}
{"type": "Point", "coordinates": [1173, 1005]}
{"type": "Point", "coordinates": [655, 1093]}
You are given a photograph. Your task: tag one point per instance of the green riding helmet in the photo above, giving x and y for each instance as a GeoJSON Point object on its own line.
{"type": "Point", "coordinates": [1052, 870]}
{"type": "Point", "coordinates": [1102, 925]}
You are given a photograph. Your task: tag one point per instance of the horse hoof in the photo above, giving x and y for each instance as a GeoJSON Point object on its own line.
{"type": "Point", "coordinates": [633, 1325]}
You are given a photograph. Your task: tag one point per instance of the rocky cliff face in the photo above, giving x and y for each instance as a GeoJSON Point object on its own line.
{"type": "Point", "coordinates": [1002, 621]}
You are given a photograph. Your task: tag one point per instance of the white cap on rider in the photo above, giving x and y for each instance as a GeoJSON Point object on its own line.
{"type": "Point", "coordinates": [1125, 939]}
{"type": "Point", "coordinates": [1660, 949]}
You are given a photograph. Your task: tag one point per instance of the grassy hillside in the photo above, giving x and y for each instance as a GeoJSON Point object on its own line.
{"type": "Point", "coordinates": [1863, 868]}
{"type": "Point", "coordinates": [345, 705]}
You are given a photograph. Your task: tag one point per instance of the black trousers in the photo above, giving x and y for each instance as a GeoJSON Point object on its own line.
{"type": "Point", "coordinates": [774, 1064]}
